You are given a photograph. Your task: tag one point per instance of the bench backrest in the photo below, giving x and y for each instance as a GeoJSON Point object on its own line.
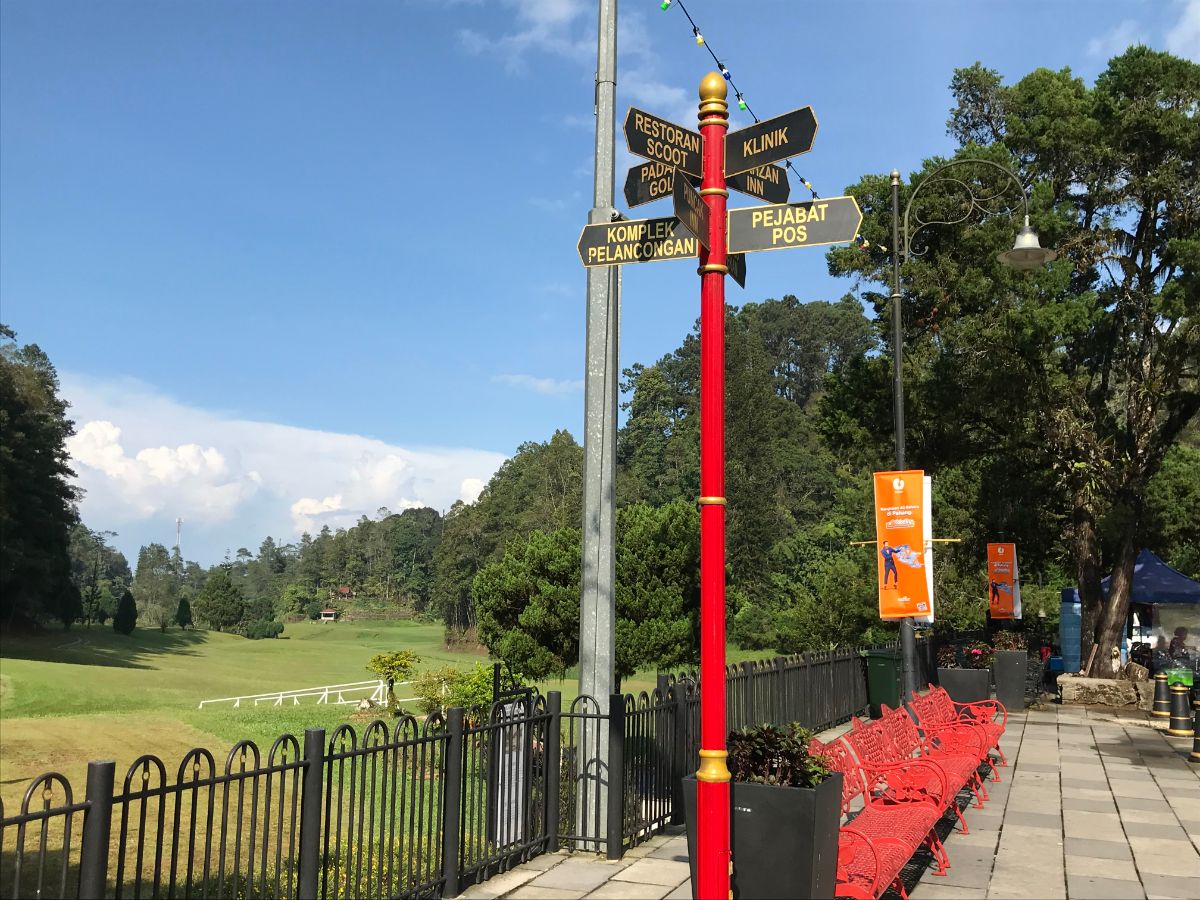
{"type": "Point", "coordinates": [839, 758]}
{"type": "Point", "coordinates": [901, 731]}
{"type": "Point", "coordinates": [870, 743]}
{"type": "Point", "coordinates": [928, 709]}
{"type": "Point", "coordinates": [942, 706]}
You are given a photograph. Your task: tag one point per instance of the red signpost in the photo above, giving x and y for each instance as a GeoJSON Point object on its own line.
{"type": "Point", "coordinates": [622, 241]}
{"type": "Point", "coordinates": [712, 777]}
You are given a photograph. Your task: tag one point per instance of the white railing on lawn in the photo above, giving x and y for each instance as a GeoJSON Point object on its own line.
{"type": "Point", "coordinates": [352, 693]}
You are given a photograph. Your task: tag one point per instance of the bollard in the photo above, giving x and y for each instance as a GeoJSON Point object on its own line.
{"type": "Point", "coordinates": [1180, 726]}
{"type": "Point", "coordinates": [1195, 757]}
{"type": "Point", "coordinates": [1162, 697]}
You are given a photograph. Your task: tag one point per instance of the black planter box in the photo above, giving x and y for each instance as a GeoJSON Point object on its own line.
{"type": "Point", "coordinates": [966, 685]}
{"type": "Point", "coordinates": [1010, 669]}
{"type": "Point", "coordinates": [784, 839]}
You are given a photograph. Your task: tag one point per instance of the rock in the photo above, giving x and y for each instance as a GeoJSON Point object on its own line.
{"type": "Point", "coordinates": [1097, 691]}
{"type": "Point", "coordinates": [1135, 672]}
{"type": "Point", "coordinates": [1145, 691]}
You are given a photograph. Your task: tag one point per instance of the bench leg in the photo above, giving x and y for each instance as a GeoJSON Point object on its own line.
{"type": "Point", "coordinates": [1003, 760]}
{"type": "Point", "coordinates": [961, 820]}
{"type": "Point", "coordinates": [982, 787]}
{"type": "Point", "coordinates": [938, 849]}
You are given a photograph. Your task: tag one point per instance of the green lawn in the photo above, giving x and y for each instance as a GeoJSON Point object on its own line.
{"type": "Point", "coordinates": [70, 696]}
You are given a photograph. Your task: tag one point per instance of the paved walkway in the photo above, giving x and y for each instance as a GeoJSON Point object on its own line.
{"type": "Point", "coordinates": [1090, 807]}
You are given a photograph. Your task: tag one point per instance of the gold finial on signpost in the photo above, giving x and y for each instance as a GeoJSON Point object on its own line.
{"type": "Point", "coordinates": [713, 92]}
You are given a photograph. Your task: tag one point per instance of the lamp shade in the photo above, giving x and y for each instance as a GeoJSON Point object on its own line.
{"type": "Point", "coordinates": [1026, 252]}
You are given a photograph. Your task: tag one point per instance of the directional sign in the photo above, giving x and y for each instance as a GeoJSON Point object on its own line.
{"type": "Point", "coordinates": [663, 141]}
{"type": "Point", "coordinates": [650, 181]}
{"type": "Point", "coordinates": [635, 241]}
{"type": "Point", "coordinates": [768, 183]}
{"type": "Point", "coordinates": [736, 262]}
{"type": "Point", "coordinates": [833, 220]}
{"type": "Point", "coordinates": [766, 142]}
{"type": "Point", "coordinates": [691, 210]}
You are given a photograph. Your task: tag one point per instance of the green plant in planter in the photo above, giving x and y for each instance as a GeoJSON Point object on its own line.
{"type": "Point", "coordinates": [775, 754]}
{"type": "Point", "coordinates": [1007, 639]}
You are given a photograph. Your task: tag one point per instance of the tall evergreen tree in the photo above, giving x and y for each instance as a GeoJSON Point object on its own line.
{"type": "Point", "coordinates": [37, 501]}
{"type": "Point", "coordinates": [126, 615]}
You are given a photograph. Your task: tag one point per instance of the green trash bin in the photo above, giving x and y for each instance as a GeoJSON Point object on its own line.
{"type": "Point", "coordinates": [883, 679]}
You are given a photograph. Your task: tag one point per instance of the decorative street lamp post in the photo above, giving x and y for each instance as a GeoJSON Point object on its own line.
{"type": "Point", "coordinates": [1026, 254]}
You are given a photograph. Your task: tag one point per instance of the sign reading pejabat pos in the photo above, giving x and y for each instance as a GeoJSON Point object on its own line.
{"type": "Point", "coordinates": [832, 220]}
{"type": "Point", "coordinates": [905, 576]}
{"type": "Point", "coordinates": [1004, 585]}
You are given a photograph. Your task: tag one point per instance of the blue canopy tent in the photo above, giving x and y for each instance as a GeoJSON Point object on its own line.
{"type": "Point", "coordinates": [1155, 584]}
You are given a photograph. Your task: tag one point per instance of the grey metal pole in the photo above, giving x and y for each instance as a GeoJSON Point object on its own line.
{"type": "Point", "coordinates": [908, 638]}
{"type": "Point", "coordinates": [597, 607]}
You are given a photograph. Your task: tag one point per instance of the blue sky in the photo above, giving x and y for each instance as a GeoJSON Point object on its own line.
{"type": "Point", "coordinates": [296, 261]}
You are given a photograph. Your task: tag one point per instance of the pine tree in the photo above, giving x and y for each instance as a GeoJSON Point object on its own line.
{"type": "Point", "coordinates": [183, 614]}
{"type": "Point", "coordinates": [126, 617]}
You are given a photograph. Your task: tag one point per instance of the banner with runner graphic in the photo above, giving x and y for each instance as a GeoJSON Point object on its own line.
{"type": "Point", "coordinates": [905, 579]}
{"type": "Point", "coordinates": [1004, 586]}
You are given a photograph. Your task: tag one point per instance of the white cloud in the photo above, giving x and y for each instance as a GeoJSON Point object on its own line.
{"type": "Point", "coordinates": [470, 489]}
{"type": "Point", "coordinates": [1117, 40]}
{"type": "Point", "coordinates": [543, 25]}
{"type": "Point", "coordinates": [144, 458]}
{"type": "Point", "coordinates": [550, 387]}
{"type": "Point", "coordinates": [1183, 39]}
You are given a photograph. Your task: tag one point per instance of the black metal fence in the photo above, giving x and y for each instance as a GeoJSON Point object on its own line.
{"type": "Point", "coordinates": [414, 809]}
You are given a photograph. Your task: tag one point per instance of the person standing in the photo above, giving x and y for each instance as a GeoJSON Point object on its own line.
{"type": "Point", "coordinates": [888, 552]}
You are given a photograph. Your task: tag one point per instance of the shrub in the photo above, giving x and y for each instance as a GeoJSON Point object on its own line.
{"type": "Point", "coordinates": [126, 616]}
{"type": "Point", "coordinates": [775, 754]}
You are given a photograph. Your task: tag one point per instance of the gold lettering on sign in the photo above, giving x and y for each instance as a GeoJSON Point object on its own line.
{"type": "Point", "coordinates": [764, 142]}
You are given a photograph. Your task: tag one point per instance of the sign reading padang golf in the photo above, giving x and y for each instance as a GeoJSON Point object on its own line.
{"type": "Point", "coordinates": [638, 240]}
{"type": "Point", "coordinates": [833, 220]}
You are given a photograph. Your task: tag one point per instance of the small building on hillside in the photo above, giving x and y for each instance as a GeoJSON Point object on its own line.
{"type": "Point", "coordinates": [329, 615]}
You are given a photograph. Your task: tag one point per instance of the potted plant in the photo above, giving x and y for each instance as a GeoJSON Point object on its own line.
{"type": "Point", "coordinates": [786, 808]}
{"type": "Point", "coordinates": [965, 672]}
{"type": "Point", "coordinates": [1010, 668]}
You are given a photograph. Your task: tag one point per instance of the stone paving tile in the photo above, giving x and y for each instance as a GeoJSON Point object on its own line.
{"type": "Point", "coordinates": [1100, 849]}
{"type": "Point", "coordinates": [962, 875]}
{"type": "Point", "coordinates": [1168, 832]}
{"type": "Point", "coordinates": [579, 874]}
{"type": "Point", "coordinates": [627, 890]}
{"type": "Point", "coordinates": [1172, 865]}
{"type": "Point", "coordinates": [1081, 805]}
{"type": "Point", "coordinates": [499, 885]}
{"type": "Point", "coordinates": [655, 871]}
{"type": "Point", "coordinates": [1148, 817]}
{"type": "Point", "coordinates": [1033, 820]}
{"type": "Point", "coordinates": [1148, 803]}
{"type": "Point", "coordinates": [1120, 869]}
{"type": "Point", "coordinates": [683, 892]}
{"type": "Point", "coordinates": [1047, 768]}
{"type": "Point", "coordinates": [537, 893]}
{"type": "Point", "coordinates": [1167, 886]}
{"type": "Point", "coordinates": [928, 890]}
{"type": "Point", "coordinates": [1083, 887]}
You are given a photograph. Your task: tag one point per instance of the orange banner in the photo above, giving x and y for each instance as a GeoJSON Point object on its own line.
{"type": "Point", "coordinates": [905, 580]}
{"type": "Point", "coordinates": [1004, 587]}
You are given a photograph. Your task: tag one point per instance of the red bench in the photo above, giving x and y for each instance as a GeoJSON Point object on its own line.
{"type": "Point", "coordinates": [936, 710]}
{"type": "Point", "coordinates": [901, 804]}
